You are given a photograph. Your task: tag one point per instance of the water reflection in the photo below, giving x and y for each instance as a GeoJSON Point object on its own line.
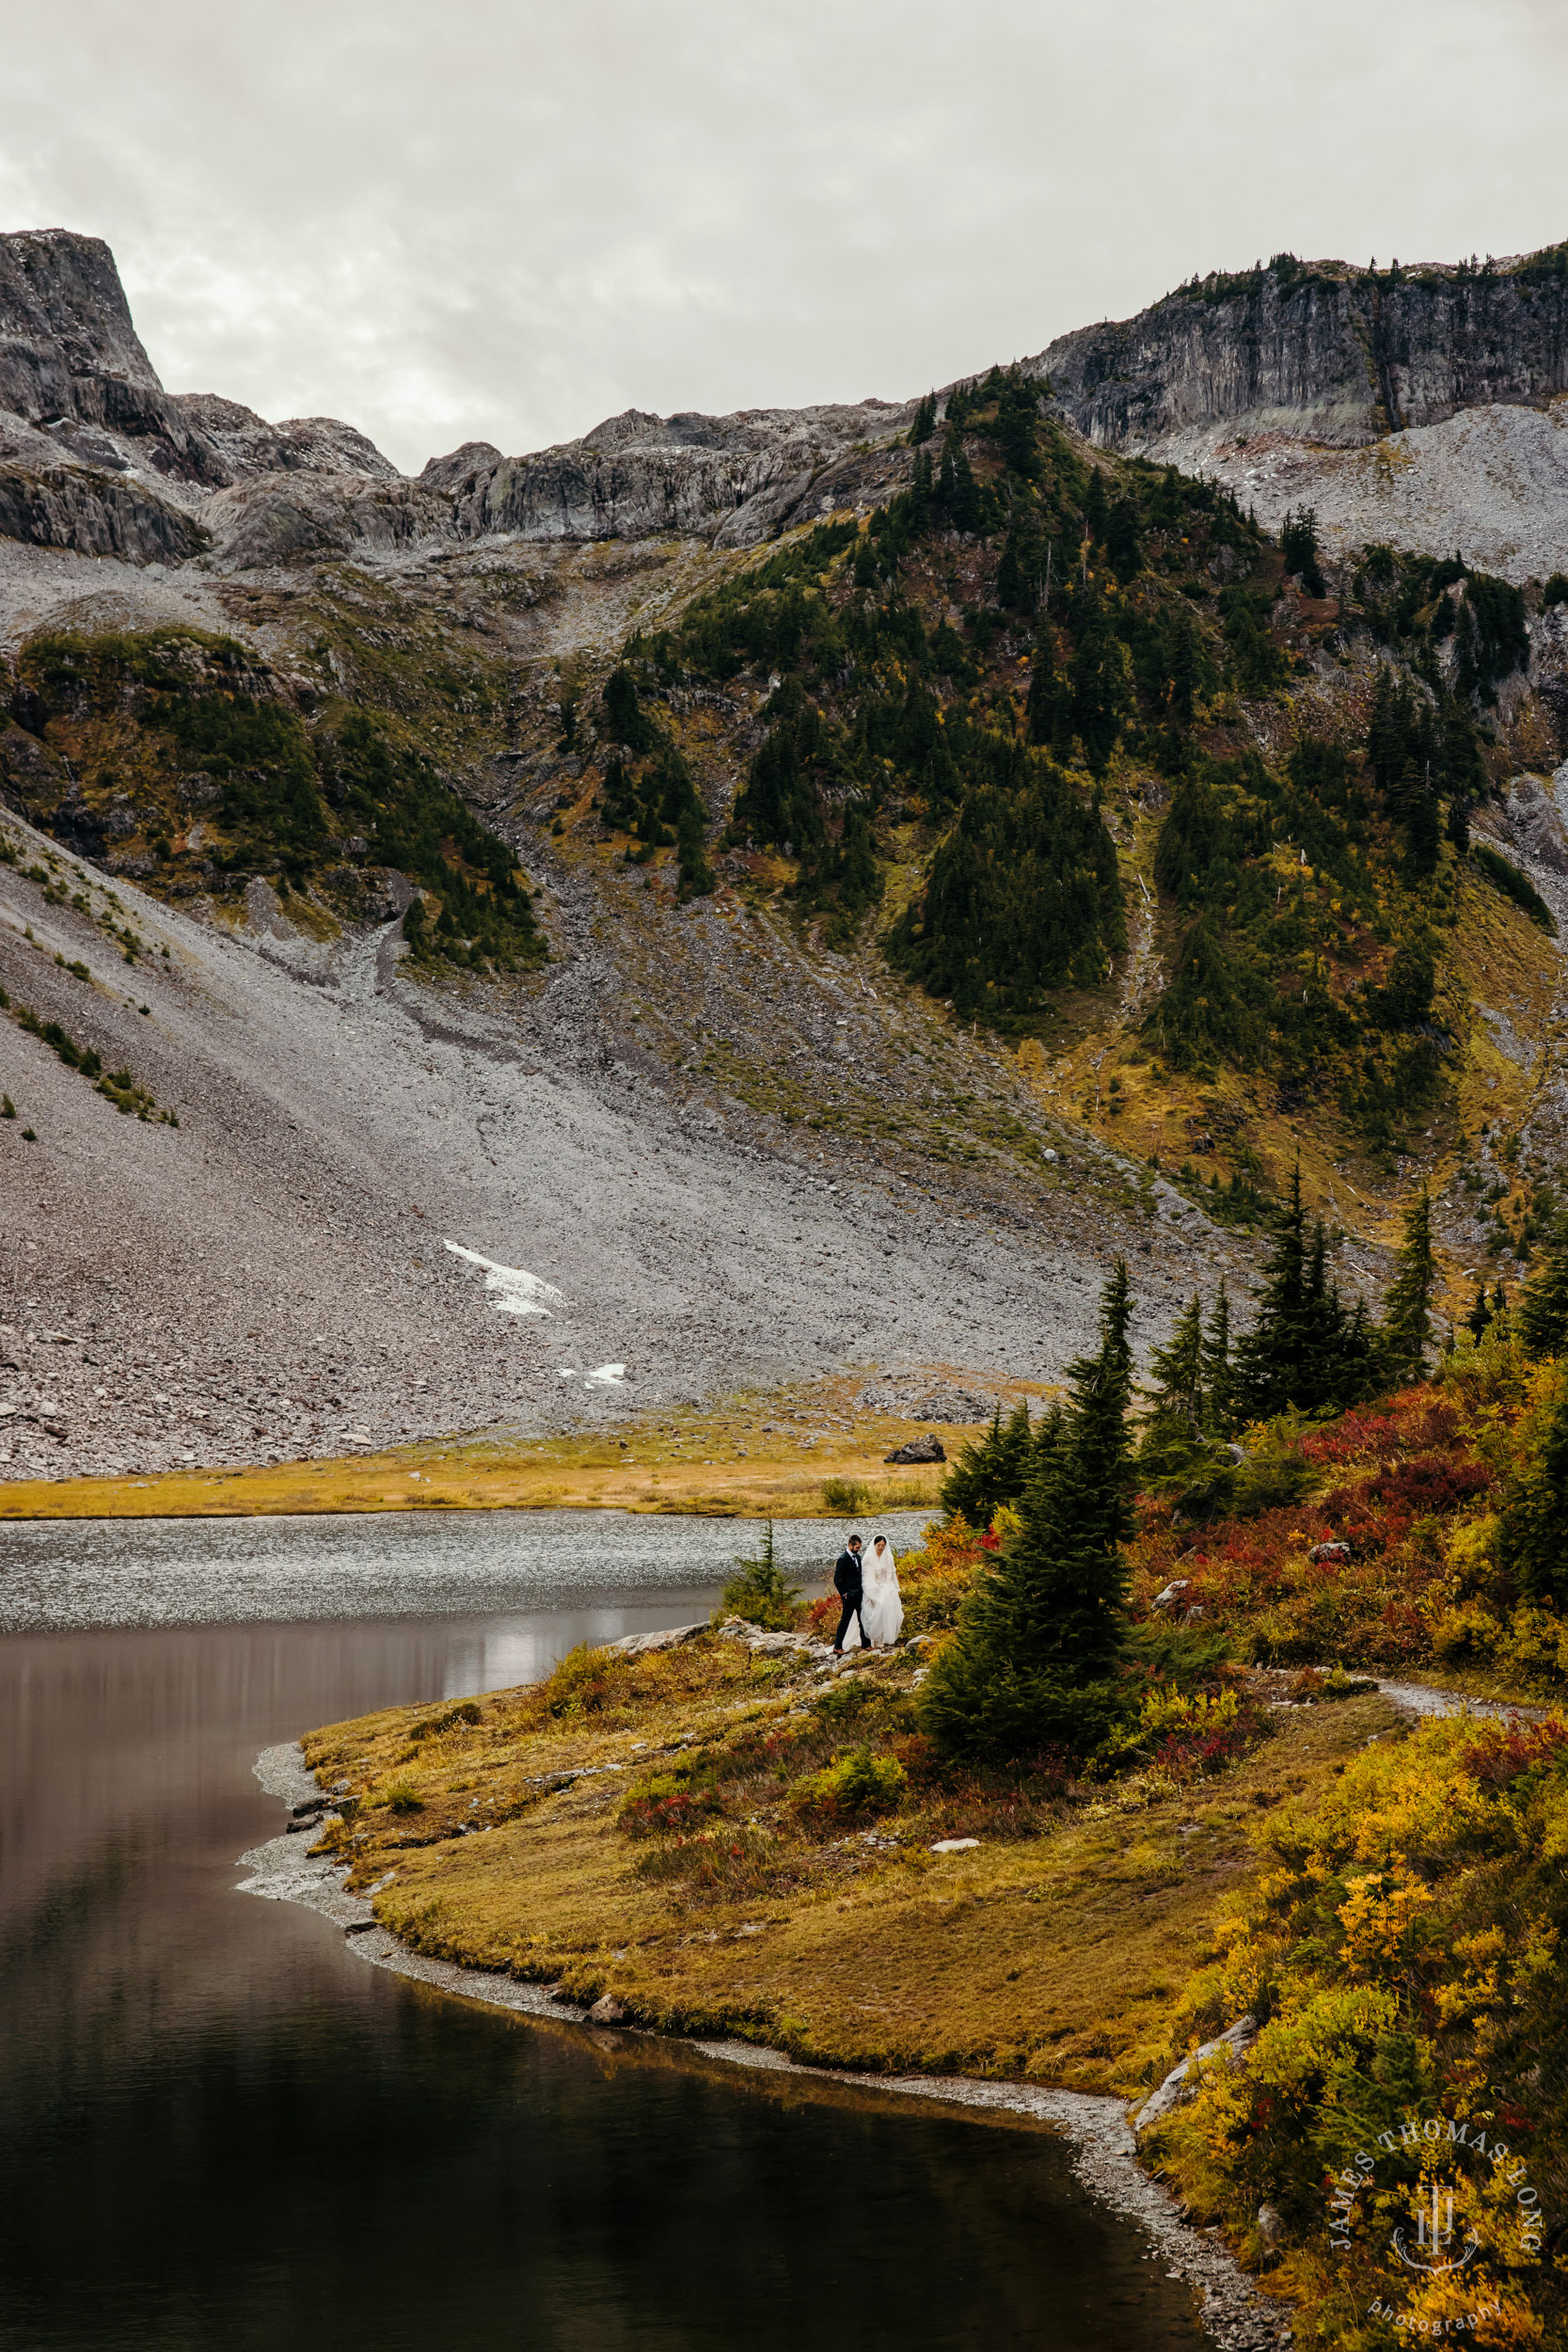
{"type": "Point", "coordinates": [221, 2128]}
{"type": "Point", "coordinates": [128, 1572]}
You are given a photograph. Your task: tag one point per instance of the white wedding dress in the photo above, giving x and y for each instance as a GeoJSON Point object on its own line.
{"type": "Point", "coordinates": [881, 1608]}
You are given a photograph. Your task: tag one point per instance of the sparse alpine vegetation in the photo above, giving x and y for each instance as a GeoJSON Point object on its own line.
{"type": "Point", "coordinates": [117, 1085]}
{"type": "Point", "coordinates": [200, 770]}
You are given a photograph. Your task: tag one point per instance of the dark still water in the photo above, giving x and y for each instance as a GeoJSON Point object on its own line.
{"type": "Point", "coordinates": [220, 2129]}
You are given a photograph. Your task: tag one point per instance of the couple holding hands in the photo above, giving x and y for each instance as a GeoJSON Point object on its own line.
{"type": "Point", "coordinates": [867, 1584]}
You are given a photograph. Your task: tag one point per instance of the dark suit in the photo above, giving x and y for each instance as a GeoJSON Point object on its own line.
{"type": "Point", "coordinates": [850, 1582]}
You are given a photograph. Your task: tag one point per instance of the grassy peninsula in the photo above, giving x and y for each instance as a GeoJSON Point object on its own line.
{"type": "Point", "coordinates": [1080, 1846]}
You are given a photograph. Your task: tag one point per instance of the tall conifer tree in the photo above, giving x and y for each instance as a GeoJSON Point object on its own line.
{"type": "Point", "coordinates": [1303, 1349]}
{"type": "Point", "coordinates": [1406, 1332]}
{"type": "Point", "coordinates": [925, 421]}
{"type": "Point", "coordinates": [1544, 1309]}
{"type": "Point", "coordinates": [1219, 1372]}
{"type": "Point", "coordinates": [1178, 1365]}
{"type": "Point", "coordinates": [1039, 1634]}
{"type": "Point", "coordinates": [1535, 1506]}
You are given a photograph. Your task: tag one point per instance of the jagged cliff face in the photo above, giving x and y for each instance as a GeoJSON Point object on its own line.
{"type": "Point", "coordinates": [1321, 350]}
{"type": "Point", "coordinates": [737, 480]}
{"type": "Point", "coordinates": [95, 455]}
{"type": "Point", "coordinates": [1421, 408]}
{"type": "Point", "coordinates": [74, 375]}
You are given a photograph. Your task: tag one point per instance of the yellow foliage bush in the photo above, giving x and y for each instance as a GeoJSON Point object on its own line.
{"type": "Point", "coordinates": [1164, 1710]}
{"type": "Point", "coordinates": [1400, 1957]}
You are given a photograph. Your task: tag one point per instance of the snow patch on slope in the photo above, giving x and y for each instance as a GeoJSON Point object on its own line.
{"type": "Point", "coordinates": [517, 1291]}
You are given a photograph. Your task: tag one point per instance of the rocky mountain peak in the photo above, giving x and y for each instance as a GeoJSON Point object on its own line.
{"type": "Point", "coordinates": [64, 320]}
{"type": "Point", "coordinates": [248, 445]}
{"type": "Point", "coordinates": [460, 465]}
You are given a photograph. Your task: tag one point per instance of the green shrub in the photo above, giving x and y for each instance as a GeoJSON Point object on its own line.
{"type": "Point", "coordinates": [846, 1701]}
{"type": "Point", "coordinates": [402, 1795]}
{"type": "Point", "coordinates": [858, 1787]}
{"type": "Point", "coordinates": [1270, 1476]}
{"type": "Point", "coordinates": [1166, 1710]}
{"type": "Point", "coordinates": [671, 1804]}
{"type": "Point", "coordinates": [583, 1680]}
{"type": "Point", "coordinates": [846, 1496]}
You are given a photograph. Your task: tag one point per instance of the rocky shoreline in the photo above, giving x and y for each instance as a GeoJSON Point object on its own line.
{"type": "Point", "coordinates": [1234, 2312]}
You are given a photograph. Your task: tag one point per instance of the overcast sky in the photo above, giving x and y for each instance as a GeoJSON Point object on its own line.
{"type": "Point", "coordinates": [458, 219]}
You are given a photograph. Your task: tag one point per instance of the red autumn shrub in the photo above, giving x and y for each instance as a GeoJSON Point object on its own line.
{"type": "Point", "coordinates": [1502, 1751]}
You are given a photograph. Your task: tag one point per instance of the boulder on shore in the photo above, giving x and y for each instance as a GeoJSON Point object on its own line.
{"type": "Point", "coordinates": [918, 1450]}
{"type": "Point", "coordinates": [1184, 2081]}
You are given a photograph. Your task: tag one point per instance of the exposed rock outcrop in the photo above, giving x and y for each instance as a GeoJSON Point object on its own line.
{"type": "Point", "coordinates": [732, 477]}
{"type": "Point", "coordinates": [96, 514]}
{"type": "Point", "coordinates": [1420, 406]}
{"type": "Point", "coordinates": [247, 446]}
{"type": "Point", "coordinates": [95, 455]}
{"type": "Point", "coordinates": [1183, 2082]}
{"type": "Point", "coordinates": [71, 357]}
{"type": "Point", "coordinates": [285, 517]}
{"type": "Point", "coordinates": [1321, 349]}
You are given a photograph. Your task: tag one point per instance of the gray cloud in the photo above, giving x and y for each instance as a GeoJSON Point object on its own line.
{"type": "Point", "coordinates": [482, 220]}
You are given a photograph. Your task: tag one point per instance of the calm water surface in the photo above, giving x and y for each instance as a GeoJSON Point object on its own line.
{"type": "Point", "coordinates": [220, 2129]}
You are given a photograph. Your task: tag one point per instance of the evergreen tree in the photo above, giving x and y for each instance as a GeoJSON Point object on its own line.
{"type": "Point", "coordinates": [1535, 1507]}
{"type": "Point", "coordinates": [1179, 1368]}
{"type": "Point", "coordinates": [1218, 1370]}
{"type": "Point", "coordinates": [1101, 690]}
{"type": "Point", "coordinates": [1048, 1440]}
{"type": "Point", "coordinates": [1480, 1316]}
{"type": "Point", "coordinates": [625, 720]}
{"type": "Point", "coordinates": [1096, 505]}
{"type": "Point", "coordinates": [1298, 539]}
{"type": "Point", "coordinates": [1039, 1634]}
{"type": "Point", "coordinates": [1018, 574]}
{"type": "Point", "coordinates": [1423, 832]}
{"type": "Point", "coordinates": [992, 1471]}
{"type": "Point", "coordinates": [619, 801]}
{"type": "Point", "coordinates": [1459, 824]}
{"type": "Point", "coordinates": [957, 488]}
{"type": "Point", "coordinates": [1121, 537]}
{"type": "Point", "coordinates": [1406, 1329]}
{"type": "Point", "coordinates": [1303, 1350]}
{"type": "Point", "coordinates": [1544, 1310]}
{"type": "Point", "coordinates": [1047, 691]}
{"type": "Point", "coordinates": [1183, 670]}
{"type": "Point", "coordinates": [697, 875]}
{"type": "Point", "coordinates": [965, 1492]}
{"type": "Point", "coordinates": [925, 421]}
{"type": "Point", "coordinates": [1018, 403]}
{"type": "Point", "coordinates": [922, 492]}
{"type": "Point", "coordinates": [1174, 1424]}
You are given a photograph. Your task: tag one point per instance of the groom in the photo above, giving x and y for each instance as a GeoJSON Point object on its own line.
{"type": "Point", "coordinates": [850, 1582]}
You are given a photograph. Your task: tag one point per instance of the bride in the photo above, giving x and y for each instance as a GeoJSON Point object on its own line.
{"type": "Point", "coordinates": [882, 1612]}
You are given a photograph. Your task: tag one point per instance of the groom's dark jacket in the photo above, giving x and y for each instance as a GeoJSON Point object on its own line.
{"type": "Point", "coordinates": [848, 1573]}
